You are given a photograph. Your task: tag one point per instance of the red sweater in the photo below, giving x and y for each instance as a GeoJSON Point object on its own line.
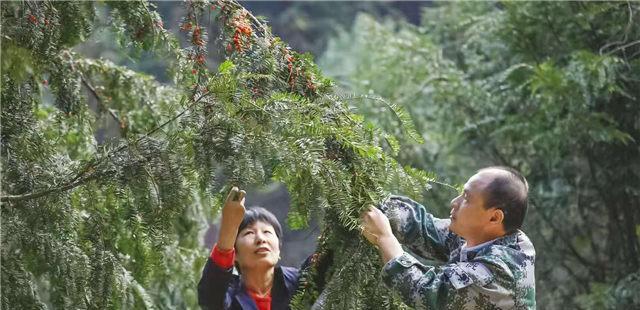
{"type": "Point", "coordinates": [224, 259]}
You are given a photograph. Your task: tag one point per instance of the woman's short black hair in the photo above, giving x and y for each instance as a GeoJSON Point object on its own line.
{"type": "Point", "coordinates": [255, 214]}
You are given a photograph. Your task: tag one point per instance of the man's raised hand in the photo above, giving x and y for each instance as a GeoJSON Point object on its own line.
{"type": "Point", "coordinates": [377, 230]}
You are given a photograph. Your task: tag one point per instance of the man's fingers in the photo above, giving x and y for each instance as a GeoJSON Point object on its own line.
{"type": "Point", "coordinates": [371, 237]}
{"type": "Point", "coordinates": [375, 210]}
{"type": "Point", "coordinates": [368, 212]}
{"type": "Point", "coordinates": [371, 214]}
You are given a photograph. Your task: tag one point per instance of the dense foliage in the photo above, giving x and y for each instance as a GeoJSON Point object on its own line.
{"type": "Point", "coordinates": [551, 88]}
{"type": "Point", "coordinates": [90, 222]}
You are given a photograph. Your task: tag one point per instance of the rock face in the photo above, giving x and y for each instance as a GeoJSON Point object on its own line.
{"type": "Point", "coordinates": [297, 244]}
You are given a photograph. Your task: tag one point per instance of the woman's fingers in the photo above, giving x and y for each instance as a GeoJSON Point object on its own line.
{"type": "Point", "coordinates": [232, 194]}
{"type": "Point", "coordinates": [236, 194]}
{"type": "Point", "coordinates": [233, 210]}
{"type": "Point", "coordinates": [241, 195]}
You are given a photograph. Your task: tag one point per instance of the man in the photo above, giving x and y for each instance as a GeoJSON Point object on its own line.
{"type": "Point", "coordinates": [489, 261]}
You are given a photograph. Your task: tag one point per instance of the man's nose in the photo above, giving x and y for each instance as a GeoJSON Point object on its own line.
{"type": "Point", "coordinates": [454, 202]}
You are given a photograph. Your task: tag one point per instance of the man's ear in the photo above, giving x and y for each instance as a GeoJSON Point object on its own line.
{"type": "Point", "coordinates": [497, 216]}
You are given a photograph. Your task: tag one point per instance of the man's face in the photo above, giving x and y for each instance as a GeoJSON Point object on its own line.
{"type": "Point", "coordinates": [468, 214]}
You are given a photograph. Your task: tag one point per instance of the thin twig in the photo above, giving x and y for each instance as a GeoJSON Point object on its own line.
{"type": "Point", "coordinates": [623, 47]}
{"type": "Point", "coordinates": [99, 100]}
{"type": "Point", "coordinates": [455, 189]}
{"type": "Point", "coordinates": [626, 32]}
{"type": "Point", "coordinates": [155, 185]}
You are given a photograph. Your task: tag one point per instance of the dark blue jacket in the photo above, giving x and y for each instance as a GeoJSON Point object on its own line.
{"type": "Point", "coordinates": [220, 289]}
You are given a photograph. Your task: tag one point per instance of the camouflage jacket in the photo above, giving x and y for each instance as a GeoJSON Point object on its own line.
{"type": "Point", "coordinates": [498, 274]}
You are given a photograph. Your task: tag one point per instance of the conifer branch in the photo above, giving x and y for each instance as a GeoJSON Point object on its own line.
{"type": "Point", "coordinates": [82, 178]}
{"type": "Point", "coordinates": [69, 185]}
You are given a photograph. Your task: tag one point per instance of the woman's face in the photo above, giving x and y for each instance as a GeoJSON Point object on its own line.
{"type": "Point", "coordinates": [257, 246]}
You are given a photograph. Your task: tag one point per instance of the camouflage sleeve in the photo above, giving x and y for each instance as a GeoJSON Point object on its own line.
{"type": "Point", "coordinates": [453, 286]}
{"type": "Point", "coordinates": [418, 230]}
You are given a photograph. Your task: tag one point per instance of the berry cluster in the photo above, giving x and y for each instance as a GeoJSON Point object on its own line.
{"type": "Point", "coordinates": [242, 32]}
{"type": "Point", "coordinates": [35, 20]}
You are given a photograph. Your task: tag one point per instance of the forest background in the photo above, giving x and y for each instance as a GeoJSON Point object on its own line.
{"type": "Point", "coordinates": [550, 88]}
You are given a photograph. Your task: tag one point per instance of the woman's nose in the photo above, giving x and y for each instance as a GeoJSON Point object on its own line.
{"type": "Point", "coordinates": [260, 238]}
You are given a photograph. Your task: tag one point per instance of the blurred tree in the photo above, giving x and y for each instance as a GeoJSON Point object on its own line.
{"type": "Point", "coordinates": [308, 25]}
{"type": "Point", "coordinates": [550, 88]}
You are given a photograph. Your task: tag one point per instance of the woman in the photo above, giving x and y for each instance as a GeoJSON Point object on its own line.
{"type": "Point", "coordinates": [251, 239]}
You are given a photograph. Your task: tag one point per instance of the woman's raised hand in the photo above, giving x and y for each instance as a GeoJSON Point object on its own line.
{"type": "Point", "coordinates": [232, 215]}
{"type": "Point", "coordinates": [233, 209]}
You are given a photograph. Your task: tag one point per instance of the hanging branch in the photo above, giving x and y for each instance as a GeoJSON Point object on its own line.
{"type": "Point", "coordinates": [69, 185]}
{"type": "Point", "coordinates": [81, 177]}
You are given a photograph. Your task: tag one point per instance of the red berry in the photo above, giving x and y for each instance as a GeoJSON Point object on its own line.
{"type": "Point", "coordinates": [194, 71]}
{"type": "Point", "coordinates": [186, 26]}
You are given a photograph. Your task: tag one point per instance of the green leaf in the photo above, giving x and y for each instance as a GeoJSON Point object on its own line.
{"type": "Point", "coordinates": [226, 67]}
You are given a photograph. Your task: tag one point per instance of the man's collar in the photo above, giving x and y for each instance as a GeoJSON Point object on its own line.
{"type": "Point", "coordinates": [477, 247]}
{"type": "Point", "coordinates": [508, 239]}
{"type": "Point", "coordinates": [468, 253]}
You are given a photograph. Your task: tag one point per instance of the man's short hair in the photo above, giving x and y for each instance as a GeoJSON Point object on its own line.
{"type": "Point", "coordinates": [255, 214]}
{"type": "Point", "coordinates": [509, 193]}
